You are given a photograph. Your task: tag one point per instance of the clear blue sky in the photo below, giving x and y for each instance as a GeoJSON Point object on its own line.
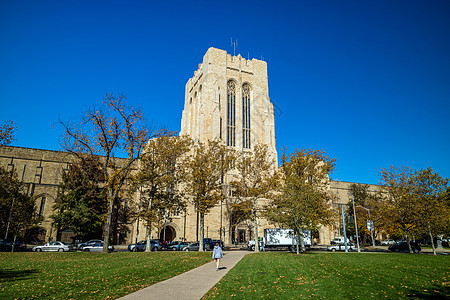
{"type": "Point", "coordinates": [367, 81]}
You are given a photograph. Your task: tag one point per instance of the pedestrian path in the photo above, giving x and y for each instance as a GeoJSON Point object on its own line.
{"type": "Point", "coordinates": [193, 284]}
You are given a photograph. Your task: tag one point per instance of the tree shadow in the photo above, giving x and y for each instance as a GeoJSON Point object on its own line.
{"type": "Point", "coordinates": [13, 275]}
{"type": "Point", "coordinates": [433, 292]}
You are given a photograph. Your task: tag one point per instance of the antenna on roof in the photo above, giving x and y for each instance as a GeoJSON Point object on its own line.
{"type": "Point", "coordinates": [234, 44]}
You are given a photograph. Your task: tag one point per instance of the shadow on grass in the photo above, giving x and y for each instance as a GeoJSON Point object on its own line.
{"type": "Point", "coordinates": [13, 275]}
{"type": "Point", "coordinates": [433, 292]}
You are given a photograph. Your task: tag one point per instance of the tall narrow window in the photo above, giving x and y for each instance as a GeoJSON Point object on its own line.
{"type": "Point", "coordinates": [231, 113]}
{"type": "Point", "coordinates": [246, 116]}
{"type": "Point", "coordinates": [41, 209]}
{"type": "Point", "coordinates": [220, 128]}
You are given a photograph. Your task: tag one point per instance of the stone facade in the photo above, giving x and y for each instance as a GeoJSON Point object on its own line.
{"type": "Point", "coordinates": [41, 171]}
{"type": "Point", "coordinates": [228, 99]}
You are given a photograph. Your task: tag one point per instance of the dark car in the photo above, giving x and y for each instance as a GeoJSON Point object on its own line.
{"type": "Point", "coordinates": [219, 242]}
{"type": "Point", "coordinates": [142, 245]}
{"type": "Point", "coordinates": [208, 244]}
{"type": "Point", "coordinates": [6, 245]}
{"type": "Point", "coordinates": [403, 247]}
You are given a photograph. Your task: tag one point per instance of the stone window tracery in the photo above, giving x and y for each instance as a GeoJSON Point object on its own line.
{"type": "Point", "coordinates": [231, 113]}
{"type": "Point", "coordinates": [246, 116]}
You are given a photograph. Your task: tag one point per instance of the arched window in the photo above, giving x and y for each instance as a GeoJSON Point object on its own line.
{"type": "Point", "coordinates": [231, 113]}
{"type": "Point", "coordinates": [246, 116]}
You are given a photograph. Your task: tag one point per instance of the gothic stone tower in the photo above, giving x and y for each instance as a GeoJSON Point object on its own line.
{"type": "Point", "coordinates": [228, 98]}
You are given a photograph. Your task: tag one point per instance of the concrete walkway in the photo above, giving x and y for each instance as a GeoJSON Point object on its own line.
{"type": "Point", "coordinates": [193, 284]}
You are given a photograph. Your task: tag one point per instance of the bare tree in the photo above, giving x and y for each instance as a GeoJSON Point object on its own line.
{"type": "Point", "coordinates": [114, 128]}
{"type": "Point", "coordinates": [7, 132]}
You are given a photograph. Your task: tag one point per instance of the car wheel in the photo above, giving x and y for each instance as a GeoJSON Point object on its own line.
{"type": "Point", "coordinates": [60, 250]}
{"type": "Point", "coordinates": [39, 250]}
{"type": "Point", "coordinates": [415, 250]}
{"type": "Point", "coordinates": [134, 249]}
{"type": "Point", "coordinates": [186, 249]}
{"type": "Point", "coordinates": [333, 250]}
{"type": "Point", "coordinates": [174, 249]}
{"type": "Point", "coordinates": [253, 248]}
{"type": "Point", "coordinates": [155, 249]}
{"type": "Point", "coordinates": [86, 250]}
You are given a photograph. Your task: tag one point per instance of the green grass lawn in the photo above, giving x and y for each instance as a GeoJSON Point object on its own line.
{"type": "Point", "coordinates": [83, 275]}
{"type": "Point", "coordinates": [336, 276]}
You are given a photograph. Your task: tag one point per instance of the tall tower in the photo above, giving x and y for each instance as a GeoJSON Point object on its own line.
{"type": "Point", "coordinates": [228, 99]}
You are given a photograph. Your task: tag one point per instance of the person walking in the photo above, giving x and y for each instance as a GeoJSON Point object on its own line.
{"type": "Point", "coordinates": [217, 255]}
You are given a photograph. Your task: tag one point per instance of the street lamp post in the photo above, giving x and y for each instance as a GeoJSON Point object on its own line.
{"type": "Point", "coordinates": [371, 224]}
{"type": "Point", "coordinates": [356, 224]}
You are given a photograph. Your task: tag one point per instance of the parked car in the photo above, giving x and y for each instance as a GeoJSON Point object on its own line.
{"type": "Point", "coordinates": [341, 247]}
{"type": "Point", "coordinates": [97, 248]}
{"type": "Point", "coordinates": [218, 241]}
{"type": "Point", "coordinates": [142, 245]}
{"type": "Point", "coordinates": [53, 246]}
{"type": "Point", "coordinates": [191, 247]}
{"type": "Point", "coordinates": [338, 240]}
{"type": "Point", "coordinates": [177, 246]}
{"type": "Point", "coordinates": [88, 243]}
{"type": "Point", "coordinates": [6, 245]}
{"type": "Point", "coordinates": [388, 242]}
{"type": "Point", "coordinates": [208, 244]}
{"type": "Point", "coordinates": [403, 247]}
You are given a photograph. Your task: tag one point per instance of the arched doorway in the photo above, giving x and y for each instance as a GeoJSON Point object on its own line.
{"type": "Point", "coordinates": [169, 235]}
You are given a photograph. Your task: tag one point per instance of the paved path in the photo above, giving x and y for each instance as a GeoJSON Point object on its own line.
{"type": "Point", "coordinates": [190, 285]}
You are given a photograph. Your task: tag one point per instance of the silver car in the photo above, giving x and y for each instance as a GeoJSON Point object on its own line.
{"type": "Point", "coordinates": [341, 247]}
{"type": "Point", "coordinates": [53, 246]}
{"type": "Point", "coordinates": [97, 248]}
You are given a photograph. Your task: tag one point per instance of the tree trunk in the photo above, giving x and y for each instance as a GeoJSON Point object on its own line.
{"type": "Point", "coordinates": [202, 221]}
{"type": "Point", "coordinates": [432, 240]}
{"type": "Point", "coordinates": [256, 226]}
{"type": "Point", "coordinates": [302, 242]}
{"type": "Point", "coordinates": [408, 242]}
{"type": "Point", "coordinates": [108, 221]}
{"type": "Point", "coordinates": [14, 242]}
{"type": "Point", "coordinates": [148, 229]}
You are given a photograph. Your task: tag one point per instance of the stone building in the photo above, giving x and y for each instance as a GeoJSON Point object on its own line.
{"type": "Point", "coordinates": [228, 99]}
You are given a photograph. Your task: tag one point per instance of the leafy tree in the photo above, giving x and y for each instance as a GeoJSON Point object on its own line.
{"type": "Point", "coordinates": [361, 195]}
{"type": "Point", "coordinates": [397, 207]}
{"type": "Point", "coordinates": [256, 179]}
{"type": "Point", "coordinates": [433, 211]}
{"type": "Point", "coordinates": [7, 132]}
{"type": "Point", "coordinates": [16, 207]}
{"type": "Point", "coordinates": [303, 201]}
{"type": "Point", "coordinates": [209, 164]}
{"type": "Point", "coordinates": [82, 202]}
{"type": "Point", "coordinates": [112, 129]}
{"type": "Point", "coordinates": [161, 171]}
{"type": "Point", "coordinates": [239, 212]}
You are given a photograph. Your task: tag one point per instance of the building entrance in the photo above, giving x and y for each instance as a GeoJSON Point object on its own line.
{"type": "Point", "coordinates": [167, 234]}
